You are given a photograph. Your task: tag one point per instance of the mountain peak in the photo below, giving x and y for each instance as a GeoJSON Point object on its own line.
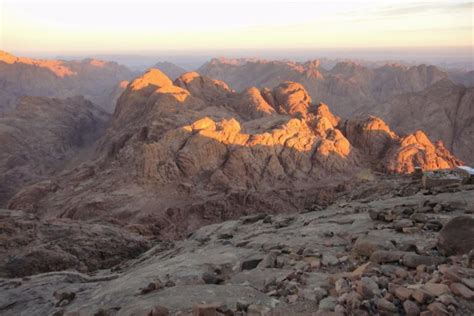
{"type": "Point", "coordinates": [153, 77]}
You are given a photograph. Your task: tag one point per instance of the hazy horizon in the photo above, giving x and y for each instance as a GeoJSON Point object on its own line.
{"type": "Point", "coordinates": [364, 28]}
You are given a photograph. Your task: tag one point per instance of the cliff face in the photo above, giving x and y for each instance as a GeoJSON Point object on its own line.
{"type": "Point", "coordinates": [94, 79]}
{"type": "Point", "coordinates": [183, 154]}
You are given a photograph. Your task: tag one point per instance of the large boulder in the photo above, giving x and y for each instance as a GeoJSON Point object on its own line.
{"type": "Point", "coordinates": [457, 236]}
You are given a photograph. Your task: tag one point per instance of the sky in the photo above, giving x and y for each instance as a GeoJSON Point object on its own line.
{"type": "Point", "coordinates": [103, 26]}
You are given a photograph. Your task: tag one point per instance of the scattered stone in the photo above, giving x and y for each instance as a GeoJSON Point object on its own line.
{"type": "Point", "coordinates": [205, 310]}
{"type": "Point", "coordinates": [257, 310]}
{"type": "Point", "coordinates": [385, 305]}
{"type": "Point", "coordinates": [212, 278]}
{"type": "Point", "coordinates": [437, 178]}
{"type": "Point", "coordinates": [329, 260]}
{"type": "Point", "coordinates": [342, 286]}
{"type": "Point", "coordinates": [384, 256]}
{"type": "Point", "coordinates": [158, 310]}
{"type": "Point", "coordinates": [462, 290]}
{"type": "Point", "coordinates": [421, 296]}
{"type": "Point", "coordinates": [402, 223]}
{"type": "Point", "coordinates": [328, 304]}
{"type": "Point", "coordinates": [436, 289]}
{"type": "Point", "coordinates": [403, 293]}
{"type": "Point", "coordinates": [64, 298]}
{"type": "Point", "coordinates": [447, 299]}
{"type": "Point", "coordinates": [251, 263]}
{"type": "Point", "coordinates": [468, 282]}
{"type": "Point", "coordinates": [437, 309]}
{"type": "Point", "coordinates": [367, 288]}
{"type": "Point", "coordinates": [270, 260]}
{"type": "Point", "coordinates": [283, 222]}
{"type": "Point", "coordinates": [250, 219]}
{"type": "Point", "coordinates": [366, 245]}
{"type": "Point", "coordinates": [411, 308]}
{"type": "Point", "coordinates": [152, 286]}
{"type": "Point", "coordinates": [412, 260]}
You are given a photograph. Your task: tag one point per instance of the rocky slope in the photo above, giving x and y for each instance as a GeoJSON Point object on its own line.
{"type": "Point", "coordinates": [171, 70]}
{"type": "Point", "coordinates": [91, 78]}
{"type": "Point", "coordinates": [346, 87]}
{"type": "Point", "coordinates": [41, 136]}
{"type": "Point", "coordinates": [385, 249]}
{"type": "Point", "coordinates": [445, 110]}
{"type": "Point", "coordinates": [180, 155]}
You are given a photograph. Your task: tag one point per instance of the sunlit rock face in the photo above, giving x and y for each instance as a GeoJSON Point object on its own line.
{"type": "Point", "coordinates": [96, 80]}
{"type": "Point", "coordinates": [181, 154]}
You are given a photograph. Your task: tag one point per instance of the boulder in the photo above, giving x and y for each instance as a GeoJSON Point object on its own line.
{"type": "Point", "coordinates": [457, 236]}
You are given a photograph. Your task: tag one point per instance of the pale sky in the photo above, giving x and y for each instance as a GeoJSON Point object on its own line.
{"type": "Point", "coordinates": [114, 26]}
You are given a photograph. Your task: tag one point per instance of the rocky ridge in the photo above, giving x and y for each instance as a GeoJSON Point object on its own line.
{"type": "Point", "coordinates": [94, 79]}
{"type": "Point", "coordinates": [203, 153]}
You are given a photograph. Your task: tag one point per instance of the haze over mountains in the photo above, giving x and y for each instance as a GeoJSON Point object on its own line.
{"type": "Point", "coordinates": [99, 164]}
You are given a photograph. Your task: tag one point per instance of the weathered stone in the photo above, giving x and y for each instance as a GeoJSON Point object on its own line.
{"type": "Point", "coordinates": [436, 289]}
{"type": "Point", "coordinates": [367, 288]}
{"type": "Point", "coordinates": [468, 282]}
{"type": "Point", "coordinates": [385, 256]}
{"type": "Point", "coordinates": [251, 263]}
{"type": "Point", "coordinates": [257, 310]}
{"type": "Point", "coordinates": [411, 308]}
{"type": "Point", "coordinates": [462, 290]}
{"type": "Point", "coordinates": [403, 293]}
{"type": "Point", "coordinates": [205, 310]}
{"type": "Point", "coordinates": [270, 260]}
{"type": "Point", "coordinates": [438, 309]}
{"type": "Point", "coordinates": [432, 179]}
{"type": "Point", "coordinates": [328, 303]}
{"type": "Point", "coordinates": [447, 299]}
{"type": "Point", "coordinates": [329, 260]}
{"type": "Point", "coordinates": [457, 236]}
{"type": "Point", "coordinates": [366, 245]}
{"type": "Point", "coordinates": [412, 260]}
{"type": "Point", "coordinates": [385, 305]}
{"type": "Point", "coordinates": [342, 286]}
{"type": "Point", "coordinates": [402, 223]}
{"type": "Point", "coordinates": [367, 269]}
{"type": "Point", "coordinates": [158, 310]}
{"type": "Point", "coordinates": [421, 296]}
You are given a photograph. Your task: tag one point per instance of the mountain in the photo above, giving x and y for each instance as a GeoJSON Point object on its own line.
{"type": "Point", "coordinates": [179, 155]}
{"type": "Point", "coordinates": [171, 70]}
{"type": "Point", "coordinates": [41, 136]}
{"type": "Point", "coordinates": [347, 86]}
{"type": "Point", "coordinates": [94, 79]}
{"type": "Point", "coordinates": [465, 78]}
{"type": "Point", "coordinates": [445, 110]}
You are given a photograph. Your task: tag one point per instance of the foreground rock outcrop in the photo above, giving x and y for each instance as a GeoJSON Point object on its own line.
{"type": "Point", "coordinates": [30, 246]}
{"type": "Point", "coordinates": [375, 250]}
{"type": "Point", "coordinates": [180, 155]}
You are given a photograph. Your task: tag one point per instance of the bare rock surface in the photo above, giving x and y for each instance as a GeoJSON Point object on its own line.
{"type": "Point", "coordinates": [30, 246]}
{"type": "Point", "coordinates": [251, 264]}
